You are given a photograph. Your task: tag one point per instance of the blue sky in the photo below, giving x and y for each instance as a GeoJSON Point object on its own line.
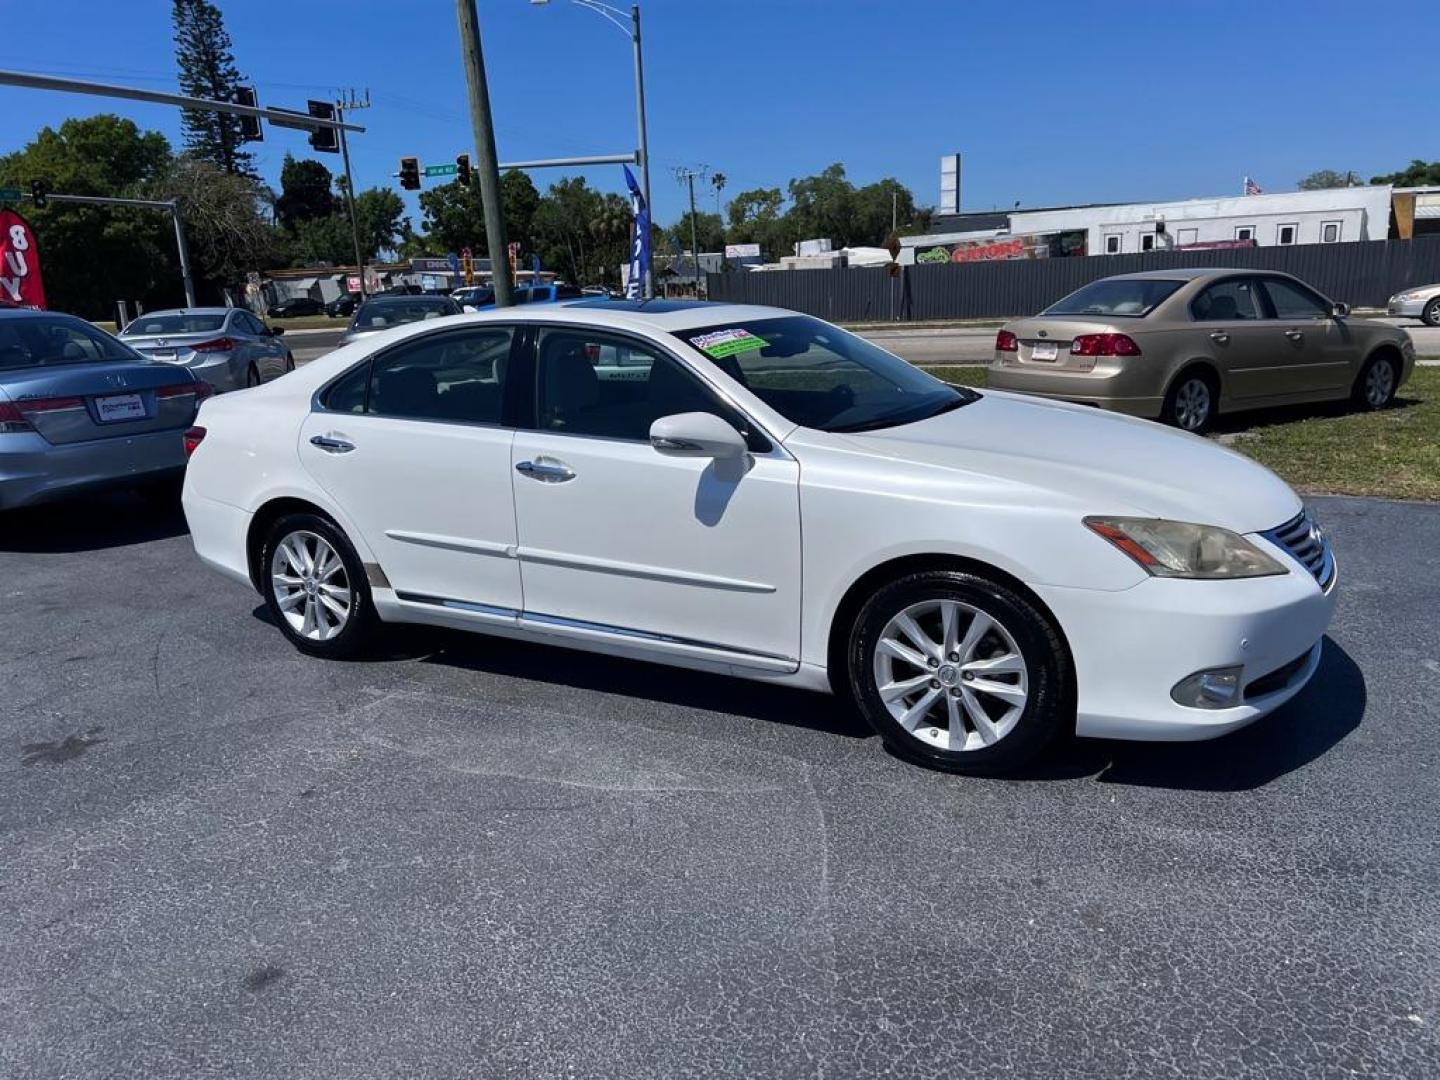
{"type": "Point", "coordinates": [1050, 102]}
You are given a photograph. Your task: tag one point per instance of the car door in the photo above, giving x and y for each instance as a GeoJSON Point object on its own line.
{"type": "Point", "coordinates": [1321, 354]}
{"type": "Point", "coordinates": [413, 447]}
{"type": "Point", "coordinates": [254, 344]}
{"type": "Point", "coordinates": [682, 555]}
{"type": "Point", "coordinates": [1229, 322]}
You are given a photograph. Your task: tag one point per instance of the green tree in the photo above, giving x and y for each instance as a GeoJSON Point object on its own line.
{"type": "Point", "coordinates": [324, 241]}
{"type": "Point", "coordinates": [562, 227]}
{"type": "Point", "coordinates": [454, 216]}
{"type": "Point", "coordinates": [871, 212]}
{"type": "Point", "coordinates": [207, 70]}
{"type": "Point", "coordinates": [709, 232]}
{"type": "Point", "coordinates": [823, 207]}
{"type": "Point", "coordinates": [380, 215]}
{"type": "Point", "coordinates": [757, 217]}
{"type": "Point", "coordinates": [92, 256]}
{"type": "Point", "coordinates": [304, 192]}
{"type": "Point", "coordinates": [1321, 179]}
{"type": "Point", "coordinates": [1418, 174]}
{"type": "Point", "coordinates": [222, 214]}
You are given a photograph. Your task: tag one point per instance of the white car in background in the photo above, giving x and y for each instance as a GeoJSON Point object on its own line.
{"type": "Point", "coordinates": [1421, 302]}
{"type": "Point", "coordinates": [754, 492]}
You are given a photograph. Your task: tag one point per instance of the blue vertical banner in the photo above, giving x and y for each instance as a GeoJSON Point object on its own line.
{"type": "Point", "coordinates": [639, 240]}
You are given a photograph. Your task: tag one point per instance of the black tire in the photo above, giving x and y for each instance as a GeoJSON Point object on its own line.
{"type": "Point", "coordinates": [289, 362]}
{"type": "Point", "coordinates": [358, 631]}
{"type": "Point", "coordinates": [1047, 710]}
{"type": "Point", "coordinates": [1431, 315]}
{"type": "Point", "coordinates": [1179, 409]}
{"type": "Point", "coordinates": [252, 376]}
{"type": "Point", "coordinates": [1373, 389]}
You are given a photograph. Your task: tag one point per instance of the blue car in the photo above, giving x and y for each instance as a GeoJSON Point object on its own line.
{"type": "Point", "coordinates": [533, 294]}
{"type": "Point", "coordinates": [80, 410]}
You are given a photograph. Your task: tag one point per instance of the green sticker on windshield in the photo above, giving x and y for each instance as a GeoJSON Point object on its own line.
{"type": "Point", "coordinates": [722, 343]}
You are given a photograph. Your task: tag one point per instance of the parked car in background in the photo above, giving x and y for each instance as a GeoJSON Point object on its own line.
{"type": "Point", "coordinates": [342, 306]}
{"type": "Point", "coordinates": [1421, 302]}
{"type": "Point", "coordinates": [386, 311]}
{"type": "Point", "coordinates": [295, 305]}
{"type": "Point", "coordinates": [472, 297]}
{"type": "Point", "coordinates": [539, 294]}
{"type": "Point", "coordinates": [1185, 345]}
{"type": "Point", "coordinates": [227, 347]}
{"type": "Point", "coordinates": [80, 409]}
{"type": "Point", "coordinates": [753, 492]}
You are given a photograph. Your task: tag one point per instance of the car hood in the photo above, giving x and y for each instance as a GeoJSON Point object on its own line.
{"type": "Point", "coordinates": [1116, 464]}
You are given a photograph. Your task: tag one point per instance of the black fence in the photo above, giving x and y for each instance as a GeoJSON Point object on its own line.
{"type": "Point", "coordinates": [1362, 274]}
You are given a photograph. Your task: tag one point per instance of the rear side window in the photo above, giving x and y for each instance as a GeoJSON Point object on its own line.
{"type": "Point", "coordinates": [348, 394]}
{"type": "Point", "coordinates": [1124, 297]}
{"type": "Point", "coordinates": [456, 377]}
{"type": "Point", "coordinates": [55, 340]}
{"type": "Point", "coordinates": [1227, 301]}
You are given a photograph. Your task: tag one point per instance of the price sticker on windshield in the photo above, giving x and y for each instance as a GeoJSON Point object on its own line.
{"type": "Point", "coordinates": [722, 343]}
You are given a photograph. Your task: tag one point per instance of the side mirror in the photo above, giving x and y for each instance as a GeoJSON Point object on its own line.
{"type": "Point", "coordinates": [1339, 311]}
{"type": "Point", "coordinates": [277, 331]}
{"type": "Point", "coordinates": [696, 434]}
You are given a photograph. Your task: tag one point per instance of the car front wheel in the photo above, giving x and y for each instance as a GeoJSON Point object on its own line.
{"type": "Point", "coordinates": [315, 587]}
{"type": "Point", "coordinates": [1431, 316]}
{"type": "Point", "coordinates": [958, 672]}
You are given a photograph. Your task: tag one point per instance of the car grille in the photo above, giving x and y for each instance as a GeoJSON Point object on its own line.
{"type": "Point", "coordinates": [1304, 542]}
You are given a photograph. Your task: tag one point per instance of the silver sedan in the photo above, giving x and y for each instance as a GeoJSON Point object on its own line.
{"type": "Point", "coordinates": [1422, 302]}
{"type": "Point", "coordinates": [229, 348]}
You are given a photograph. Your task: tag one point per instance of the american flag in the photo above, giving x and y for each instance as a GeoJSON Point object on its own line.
{"type": "Point", "coordinates": [1252, 188]}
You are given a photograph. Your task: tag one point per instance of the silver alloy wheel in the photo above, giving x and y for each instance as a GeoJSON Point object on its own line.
{"type": "Point", "coordinates": [310, 584]}
{"type": "Point", "coordinates": [1379, 383]}
{"type": "Point", "coordinates": [951, 675]}
{"type": "Point", "coordinates": [1192, 404]}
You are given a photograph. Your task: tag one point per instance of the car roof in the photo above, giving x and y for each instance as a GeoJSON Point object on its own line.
{"type": "Point", "coordinates": [189, 311]}
{"type": "Point", "coordinates": [25, 313]}
{"type": "Point", "coordinates": [1192, 273]}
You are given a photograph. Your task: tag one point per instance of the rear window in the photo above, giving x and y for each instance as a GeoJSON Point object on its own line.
{"type": "Point", "coordinates": [177, 323]}
{"type": "Point", "coordinates": [54, 341]}
{"type": "Point", "coordinates": [378, 314]}
{"type": "Point", "coordinates": [1132, 298]}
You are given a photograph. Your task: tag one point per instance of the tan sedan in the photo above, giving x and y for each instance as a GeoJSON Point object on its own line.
{"type": "Point", "coordinates": [1184, 345]}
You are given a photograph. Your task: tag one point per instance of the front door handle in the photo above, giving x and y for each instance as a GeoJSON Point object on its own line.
{"type": "Point", "coordinates": [332, 445]}
{"type": "Point", "coordinates": [1219, 337]}
{"type": "Point", "coordinates": [1295, 335]}
{"type": "Point", "coordinates": [546, 470]}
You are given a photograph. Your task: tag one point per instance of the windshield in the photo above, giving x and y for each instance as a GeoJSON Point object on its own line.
{"type": "Point", "coordinates": [1131, 298]}
{"type": "Point", "coordinates": [174, 323]}
{"type": "Point", "coordinates": [820, 376]}
{"type": "Point", "coordinates": [394, 311]}
{"type": "Point", "coordinates": [50, 341]}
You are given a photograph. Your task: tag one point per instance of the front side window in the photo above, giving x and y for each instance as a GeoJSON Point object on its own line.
{"type": "Point", "coordinates": [1291, 300]}
{"type": "Point", "coordinates": [457, 377]}
{"type": "Point", "coordinates": [1132, 297]}
{"type": "Point", "coordinates": [820, 376]}
{"type": "Point", "coordinates": [56, 340]}
{"type": "Point", "coordinates": [1227, 301]}
{"type": "Point", "coordinates": [614, 387]}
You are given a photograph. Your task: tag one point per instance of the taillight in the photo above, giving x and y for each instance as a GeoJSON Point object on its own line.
{"type": "Point", "coordinates": [1005, 341]}
{"type": "Point", "coordinates": [1104, 345]}
{"type": "Point", "coordinates": [193, 437]}
{"type": "Point", "coordinates": [11, 420]}
{"type": "Point", "coordinates": [220, 344]}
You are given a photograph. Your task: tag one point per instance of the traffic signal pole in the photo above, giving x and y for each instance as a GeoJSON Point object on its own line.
{"type": "Point", "coordinates": [350, 198]}
{"type": "Point", "coordinates": [487, 165]}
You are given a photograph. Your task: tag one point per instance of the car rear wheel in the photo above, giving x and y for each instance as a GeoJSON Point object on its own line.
{"type": "Point", "coordinates": [1190, 404]}
{"type": "Point", "coordinates": [315, 587]}
{"type": "Point", "coordinates": [1378, 381]}
{"type": "Point", "coordinates": [1431, 316]}
{"type": "Point", "coordinates": [252, 376]}
{"type": "Point", "coordinates": [289, 362]}
{"type": "Point", "coordinates": [959, 673]}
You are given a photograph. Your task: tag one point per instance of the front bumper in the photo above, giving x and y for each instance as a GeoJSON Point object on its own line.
{"type": "Point", "coordinates": [1407, 309]}
{"type": "Point", "coordinates": [33, 470]}
{"type": "Point", "coordinates": [1131, 647]}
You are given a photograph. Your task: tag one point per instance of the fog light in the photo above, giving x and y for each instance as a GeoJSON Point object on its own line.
{"type": "Point", "coordinates": [1218, 688]}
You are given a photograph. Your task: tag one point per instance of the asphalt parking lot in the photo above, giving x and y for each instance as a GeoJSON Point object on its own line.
{"type": "Point", "coordinates": [476, 858]}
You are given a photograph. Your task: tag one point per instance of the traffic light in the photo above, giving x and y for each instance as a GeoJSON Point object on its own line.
{"type": "Point", "coordinates": [462, 163]}
{"type": "Point", "coordinates": [327, 139]}
{"type": "Point", "coordinates": [410, 173]}
{"type": "Point", "coordinates": [249, 125]}
{"type": "Point", "coordinates": [39, 192]}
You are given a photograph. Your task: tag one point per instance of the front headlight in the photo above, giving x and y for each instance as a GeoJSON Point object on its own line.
{"type": "Point", "coordinates": [1179, 549]}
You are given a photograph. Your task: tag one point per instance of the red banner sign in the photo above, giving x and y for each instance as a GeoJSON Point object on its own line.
{"type": "Point", "coordinates": [20, 281]}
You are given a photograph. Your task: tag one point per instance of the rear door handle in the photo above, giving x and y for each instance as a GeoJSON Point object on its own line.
{"type": "Point", "coordinates": [332, 445]}
{"type": "Point", "coordinates": [546, 470]}
{"type": "Point", "coordinates": [1219, 337]}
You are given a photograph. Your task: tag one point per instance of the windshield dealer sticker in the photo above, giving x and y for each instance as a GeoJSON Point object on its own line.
{"type": "Point", "coordinates": [722, 343]}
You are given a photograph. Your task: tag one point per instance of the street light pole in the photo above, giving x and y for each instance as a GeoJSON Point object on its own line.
{"type": "Point", "coordinates": [350, 199]}
{"type": "Point", "coordinates": [486, 165]}
{"type": "Point", "coordinates": [184, 251]}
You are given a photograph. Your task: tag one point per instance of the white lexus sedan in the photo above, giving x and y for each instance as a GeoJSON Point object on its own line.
{"type": "Point", "coordinates": [754, 492]}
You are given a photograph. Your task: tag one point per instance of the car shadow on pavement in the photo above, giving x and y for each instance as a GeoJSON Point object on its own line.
{"type": "Point", "coordinates": [637, 679]}
{"type": "Point", "coordinates": [1252, 419]}
{"type": "Point", "coordinates": [94, 522]}
{"type": "Point", "coordinates": [1303, 729]}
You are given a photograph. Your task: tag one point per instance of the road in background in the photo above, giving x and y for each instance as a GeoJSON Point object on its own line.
{"type": "Point", "coordinates": [920, 345]}
{"type": "Point", "coordinates": [471, 856]}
